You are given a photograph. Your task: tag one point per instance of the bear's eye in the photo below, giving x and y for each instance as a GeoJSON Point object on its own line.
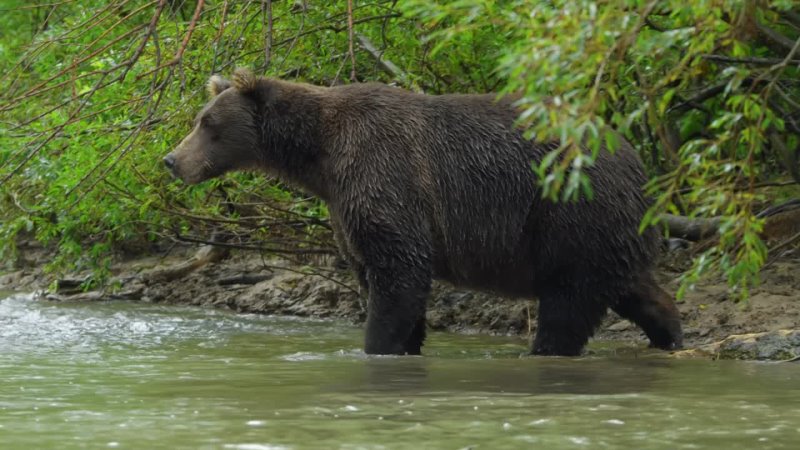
{"type": "Point", "coordinates": [206, 121]}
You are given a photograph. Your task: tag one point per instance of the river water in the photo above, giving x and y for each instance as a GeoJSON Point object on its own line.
{"type": "Point", "coordinates": [140, 376]}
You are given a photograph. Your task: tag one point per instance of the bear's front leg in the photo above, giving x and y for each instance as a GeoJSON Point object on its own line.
{"type": "Point", "coordinates": [395, 256]}
{"type": "Point", "coordinates": [346, 254]}
{"type": "Point", "coordinates": [396, 310]}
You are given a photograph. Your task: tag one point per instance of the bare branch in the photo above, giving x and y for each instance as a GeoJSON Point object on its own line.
{"type": "Point", "coordinates": [749, 61]}
{"type": "Point", "coordinates": [350, 31]}
{"type": "Point", "coordinates": [774, 36]}
{"type": "Point", "coordinates": [267, 6]}
{"type": "Point", "coordinates": [277, 250]}
{"type": "Point", "coordinates": [387, 66]}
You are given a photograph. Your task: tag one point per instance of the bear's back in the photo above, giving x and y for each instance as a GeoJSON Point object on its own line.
{"type": "Point", "coordinates": [462, 164]}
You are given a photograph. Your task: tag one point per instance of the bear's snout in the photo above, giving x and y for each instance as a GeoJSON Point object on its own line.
{"type": "Point", "coordinates": [169, 161]}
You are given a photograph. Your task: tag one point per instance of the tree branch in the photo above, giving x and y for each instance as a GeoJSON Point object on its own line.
{"type": "Point", "coordinates": [751, 61]}
{"type": "Point", "coordinates": [350, 31]}
{"type": "Point", "coordinates": [288, 251]}
{"type": "Point", "coordinates": [774, 36]}
{"type": "Point", "coordinates": [386, 65]}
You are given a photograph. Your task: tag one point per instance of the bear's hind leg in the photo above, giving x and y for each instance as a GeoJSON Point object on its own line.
{"type": "Point", "coordinates": [567, 319]}
{"type": "Point", "coordinates": [650, 307]}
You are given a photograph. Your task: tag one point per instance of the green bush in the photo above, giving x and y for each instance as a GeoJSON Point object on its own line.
{"type": "Point", "coordinates": [95, 93]}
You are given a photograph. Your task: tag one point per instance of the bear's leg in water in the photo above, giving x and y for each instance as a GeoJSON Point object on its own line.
{"type": "Point", "coordinates": [396, 310]}
{"type": "Point", "coordinates": [414, 343]}
{"type": "Point", "coordinates": [650, 307]}
{"type": "Point", "coordinates": [398, 274]}
{"type": "Point", "coordinates": [569, 313]}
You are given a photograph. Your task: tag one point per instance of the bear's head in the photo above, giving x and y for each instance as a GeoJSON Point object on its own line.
{"type": "Point", "coordinates": [226, 134]}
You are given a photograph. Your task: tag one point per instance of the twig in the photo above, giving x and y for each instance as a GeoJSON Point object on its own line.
{"type": "Point", "coordinates": [350, 50]}
{"type": "Point", "coordinates": [790, 205]}
{"type": "Point", "coordinates": [35, 6]}
{"type": "Point", "coordinates": [24, 63]}
{"type": "Point", "coordinates": [774, 36]}
{"type": "Point", "coordinates": [621, 45]}
{"type": "Point", "coordinates": [289, 251]}
{"type": "Point", "coordinates": [752, 60]}
{"type": "Point", "coordinates": [179, 54]}
{"type": "Point", "coordinates": [315, 271]}
{"type": "Point", "coordinates": [151, 28]}
{"type": "Point", "coordinates": [221, 28]}
{"type": "Point", "coordinates": [152, 106]}
{"type": "Point", "coordinates": [792, 240]}
{"type": "Point", "coordinates": [17, 101]}
{"type": "Point", "coordinates": [56, 132]}
{"type": "Point", "coordinates": [791, 16]}
{"type": "Point", "coordinates": [198, 9]}
{"type": "Point", "coordinates": [296, 38]}
{"type": "Point", "coordinates": [387, 66]}
{"type": "Point", "coordinates": [744, 188]}
{"type": "Point", "coordinates": [776, 183]}
{"type": "Point", "coordinates": [700, 97]}
{"type": "Point", "coordinates": [267, 6]}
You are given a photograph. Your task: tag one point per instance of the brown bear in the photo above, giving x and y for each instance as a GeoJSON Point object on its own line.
{"type": "Point", "coordinates": [422, 186]}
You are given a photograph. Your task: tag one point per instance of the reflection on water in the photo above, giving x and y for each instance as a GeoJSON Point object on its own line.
{"type": "Point", "coordinates": [127, 375]}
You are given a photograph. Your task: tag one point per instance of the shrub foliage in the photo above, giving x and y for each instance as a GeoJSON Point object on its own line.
{"type": "Point", "coordinates": [94, 93]}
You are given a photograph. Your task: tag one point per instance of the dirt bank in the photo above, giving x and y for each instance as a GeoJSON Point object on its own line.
{"type": "Point", "coordinates": [246, 282]}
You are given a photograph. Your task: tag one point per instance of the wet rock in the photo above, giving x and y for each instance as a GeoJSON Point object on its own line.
{"type": "Point", "coordinates": [453, 309]}
{"type": "Point", "coordinates": [21, 280]}
{"type": "Point", "coordinates": [68, 286]}
{"type": "Point", "coordinates": [776, 345]}
{"type": "Point", "coordinates": [91, 296]}
{"type": "Point", "coordinates": [674, 244]}
{"type": "Point", "coordinates": [301, 295]}
{"type": "Point", "coordinates": [622, 325]}
{"type": "Point", "coordinates": [11, 279]}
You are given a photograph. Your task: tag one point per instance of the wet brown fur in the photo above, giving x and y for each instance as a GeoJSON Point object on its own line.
{"type": "Point", "coordinates": [425, 186]}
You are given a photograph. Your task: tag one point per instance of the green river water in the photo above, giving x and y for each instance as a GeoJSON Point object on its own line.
{"type": "Point", "coordinates": [139, 376]}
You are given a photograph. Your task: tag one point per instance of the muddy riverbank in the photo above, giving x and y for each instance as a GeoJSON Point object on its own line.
{"type": "Point", "coordinates": [247, 282]}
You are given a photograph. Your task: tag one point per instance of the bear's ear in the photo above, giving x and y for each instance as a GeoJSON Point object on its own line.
{"type": "Point", "coordinates": [244, 80]}
{"type": "Point", "coordinates": [217, 84]}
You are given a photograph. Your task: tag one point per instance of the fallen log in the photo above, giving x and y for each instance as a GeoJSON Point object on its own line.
{"type": "Point", "coordinates": [206, 255]}
{"type": "Point", "coordinates": [243, 279]}
{"type": "Point", "coordinates": [780, 221]}
{"type": "Point", "coordinates": [691, 229]}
